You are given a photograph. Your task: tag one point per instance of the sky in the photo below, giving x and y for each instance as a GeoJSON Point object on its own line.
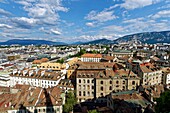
{"type": "Point", "coordinates": [81, 20]}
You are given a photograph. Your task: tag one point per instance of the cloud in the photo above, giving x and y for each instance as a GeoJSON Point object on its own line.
{"type": "Point", "coordinates": [144, 25]}
{"type": "Point", "coordinates": [90, 24]}
{"type": "Point", "coordinates": [5, 13]}
{"type": "Point", "coordinates": [56, 32]}
{"type": "Point", "coordinates": [24, 22]}
{"type": "Point", "coordinates": [132, 4]}
{"type": "Point", "coordinates": [44, 10]}
{"type": "Point", "coordinates": [161, 14]}
{"type": "Point", "coordinates": [133, 20]}
{"type": "Point", "coordinates": [25, 3]}
{"type": "Point", "coordinates": [5, 26]}
{"type": "Point", "coordinates": [111, 29]}
{"type": "Point", "coordinates": [102, 16]}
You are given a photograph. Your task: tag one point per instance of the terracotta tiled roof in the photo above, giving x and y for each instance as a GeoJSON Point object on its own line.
{"type": "Point", "coordinates": [40, 74]}
{"type": "Point", "coordinates": [148, 67]}
{"type": "Point", "coordinates": [44, 60]}
{"type": "Point", "coordinates": [109, 57]}
{"type": "Point", "coordinates": [37, 62]}
{"type": "Point", "coordinates": [92, 55]}
{"type": "Point", "coordinates": [30, 97]}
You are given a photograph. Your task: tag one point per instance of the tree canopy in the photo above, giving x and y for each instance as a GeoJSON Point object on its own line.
{"type": "Point", "coordinates": [70, 102]}
{"type": "Point", "coordinates": [163, 103]}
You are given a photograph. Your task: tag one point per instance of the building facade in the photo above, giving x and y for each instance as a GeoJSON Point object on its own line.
{"type": "Point", "coordinates": [91, 57]}
{"type": "Point", "coordinates": [96, 80]}
{"type": "Point", "coordinates": [38, 78]}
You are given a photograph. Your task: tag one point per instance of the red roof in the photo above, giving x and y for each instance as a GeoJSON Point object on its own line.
{"type": "Point", "coordinates": [89, 55]}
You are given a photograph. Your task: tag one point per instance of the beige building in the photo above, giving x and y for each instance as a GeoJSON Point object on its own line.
{"type": "Point", "coordinates": [52, 66]}
{"type": "Point", "coordinates": [121, 53]}
{"type": "Point", "coordinates": [150, 75]}
{"type": "Point", "coordinates": [95, 80]}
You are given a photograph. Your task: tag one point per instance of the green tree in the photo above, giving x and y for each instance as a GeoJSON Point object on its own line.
{"type": "Point", "coordinates": [93, 111]}
{"type": "Point", "coordinates": [163, 103]}
{"type": "Point", "coordinates": [82, 51]}
{"type": "Point", "coordinates": [60, 61]}
{"type": "Point", "coordinates": [70, 102]}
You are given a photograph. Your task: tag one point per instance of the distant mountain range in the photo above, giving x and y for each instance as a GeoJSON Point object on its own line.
{"type": "Point", "coordinates": [29, 42]}
{"type": "Point", "coordinates": [100, 41]}
{"type": "Point", "coordinates": [146, 37]}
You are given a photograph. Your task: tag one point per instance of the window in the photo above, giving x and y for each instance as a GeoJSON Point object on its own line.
{"type": "Point", "coordinates": [43, 110]}
{"type": "Point", "coordinates": [88, 81]}
{"type": "Point", "coordinates": [123, 82]}
{"type": "Point", "coordinates": [84, 81]}
{"type": "Point", "coordinates": [110, 88]}
{"type": "Point", "coordinates": [117, 82]}
{"type": "Point", "coordinates": [92, 87]}
{"type": "Point", "coordinates": [88, 93]}
{"type": "Point", "coordinates": [110, 82]}
{"type": "Point", "coordinates": [84, 93]}
{"type": "Point", "coordinates": [101, 94]}
{"type": "Point", "coordinates": [133, 82]}
{"type": "Point", "coordinates": [101, 88]}
{"type": "Point", "coordinates": [92, 81]}
{"type": "Point", "coordinates": [93, 93]}
{"type": "Point", "coordinates": [123, 87]}
{"type": "Point", "coordinates": [79, 81]}
{"type": "Point", "coordinates": [79, 93]}
{"type": "Point", "coordinates": [101, 82]}
{"type": "Point", "coordinates": [117, 85]}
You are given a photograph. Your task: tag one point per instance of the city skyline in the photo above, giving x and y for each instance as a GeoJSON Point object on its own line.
{"type": "Point", "coordinates": [81, 20]}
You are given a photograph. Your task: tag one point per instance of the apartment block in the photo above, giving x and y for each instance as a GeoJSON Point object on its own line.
{"type": "Point", "coordinates": [150, 74]}
{"type": "Point", "coordinates": [95, 80]}
{"type": "Point", "coordinates": [38, 77]}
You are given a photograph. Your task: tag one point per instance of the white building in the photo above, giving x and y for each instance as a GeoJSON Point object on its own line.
{"type": "Point", "coordinates": [91, 57]}
{"type": "Point", "coordinates": [166, 77]}
{"type": "Point", "coordinates": [4, 78]}
{"type": "Point", "coordinates": [38, 78]}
